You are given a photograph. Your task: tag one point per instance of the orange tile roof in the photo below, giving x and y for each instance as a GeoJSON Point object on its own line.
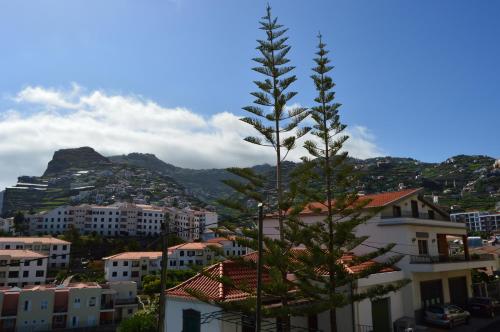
{"type": "Point", "coordinates": [217, 240]}
{"type": "Point", "coordinates": [135, 255]}
{"type": "Point", "coordinates": [192, 246]}
{"type": "Point", "coordinates": [215, 290]}
{"type": "Point", "coordinates": [20, 254]}
{"type": "Point", "coordinates": [376, 200]}
{"type": "Point", "coordinates": [240, 275]}
{"type": "Point", "coordinates": [34, 240]}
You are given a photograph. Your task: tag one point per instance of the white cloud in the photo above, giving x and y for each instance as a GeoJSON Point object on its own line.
{"type": "Point", "coordinates": [117, 124]}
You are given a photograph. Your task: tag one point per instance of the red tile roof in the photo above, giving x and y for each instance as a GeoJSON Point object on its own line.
{"type": "Point", "coordinates": [240, 275]}
{"type": "Point", "coordinates": [376, 200]}
{"type": "Point", "coordinates": [215, 290]}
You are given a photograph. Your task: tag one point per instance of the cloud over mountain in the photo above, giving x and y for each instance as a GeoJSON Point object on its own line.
{"type": "Point", "coordinates": [46, 119]}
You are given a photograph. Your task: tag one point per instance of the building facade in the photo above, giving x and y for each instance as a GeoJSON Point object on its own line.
{"type": "Point", "coordinates": [131, 266]}
{"type": "Point", "coordinates": [439, 273]}
{"type": "Point", "coordinates": [19, 268]}
{"type": "Point", "coordinates": [57, 250]}
{"type": "Point", "coordinates": [75, 305]}
{"type": "Point", "coordinates": [122, 219]}
{"type": "Point", "coordinates": [479, 221]}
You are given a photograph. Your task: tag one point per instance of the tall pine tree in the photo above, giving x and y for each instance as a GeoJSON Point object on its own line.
{"type": "Point", "coordinates": [323, 271]}
{"type": "Point", "coordinates": [279, 128]}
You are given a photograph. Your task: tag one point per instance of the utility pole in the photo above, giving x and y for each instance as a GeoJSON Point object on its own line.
{"type": "Point", "coordinates": [163, 281]}
{"type": "Point", "coordinates": [258, 307]}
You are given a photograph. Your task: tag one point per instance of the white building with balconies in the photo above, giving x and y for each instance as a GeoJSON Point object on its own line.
{"type": "Point", "coordinates": [423, 234]}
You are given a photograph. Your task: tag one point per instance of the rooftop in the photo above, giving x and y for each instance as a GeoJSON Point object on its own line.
{"type": "Point", "coordinates": [20, 254]}
{"type": "Point", "coordinates": [192, 246]}
{"type": "Point", "coordinates": [34, 240]}
{"type": "Point", "coordinates": [205, 283]}
{"type": "Point", "coordinates": [376, 200]}
{"type": "Point", "coordinates": [135, 255]}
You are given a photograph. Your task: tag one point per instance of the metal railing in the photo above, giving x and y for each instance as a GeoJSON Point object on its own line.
{"type": "Point", "coordinates": [428, 259]}
{"type": "Point", "coordinates": [126, 301]}
{"type": "Point", "coordinates": [363, 328]}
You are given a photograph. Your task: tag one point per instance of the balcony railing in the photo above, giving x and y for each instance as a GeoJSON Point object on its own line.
{"type": "Point", "coordinates": [60, 309]}
{"type": "Point", "coordinates": [108, 305]}
{"type": "Point", "coordinates": [421, 215]}
{"type": "Point", "coordinates": [428, 259]}
{"type": "Point", "coordinates": [125, 301]}
{"type": "Point", "coordinates": [364, 328]}
{"type": "Point", "coordinates": [9, 312]}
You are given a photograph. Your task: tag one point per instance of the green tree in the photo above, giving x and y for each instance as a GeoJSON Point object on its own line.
{"type": "Point", "coordinates": [141, 321]}
{"type": "Point", "coordinates": [322, 272]}
{"type": "Point", "coordinates": [278, 127]}
{"type": "Point", "coordinates": [20, 224]}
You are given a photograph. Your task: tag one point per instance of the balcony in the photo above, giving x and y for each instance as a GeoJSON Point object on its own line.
{"type": "Point", "coordinates": [9, 312]}
{"type": "Point", "coordinates": [107, 305]}
{"type": "Point", "coordinates": [427, 259]}
{"type": "Point", "coordinates": [125, 302]}
{"type": "Point", "coordinates": [61, 309]}
{"type": "Point", "coordinates": [442, 263]}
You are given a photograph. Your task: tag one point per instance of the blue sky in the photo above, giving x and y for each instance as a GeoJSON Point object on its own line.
{"type": "Point", "coordinates": [420, 76]}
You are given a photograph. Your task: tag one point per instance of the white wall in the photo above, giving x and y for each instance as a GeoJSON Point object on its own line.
{"type": "Point", "coordinates": [173, 316]}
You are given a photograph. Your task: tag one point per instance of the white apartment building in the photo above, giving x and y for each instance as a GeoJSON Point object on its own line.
{"type": "Point", "coordinates": [54, 221]}
{"type": "Point", "coordinates": [482, 221]}
{"type": "Point", "coordinates": [423, 233]}
{"type": "Point", "coordinates": [57, 250]}
{"type": "Point", "coordinates": [182, 256]}
{"type": "Point", "coordinates": [131, 266]}
{"type": "Point", "coordinates": [7, 225]}
{"type": "Point", "coordinates": [190, 224]}
{"type": "Point", "coordinates": [122, 219]}
{"type": "Point", "coordinates": [149, 220]}
{"type": "Point", "coordinates": [230, 247]}
{"type": "Point", "coordinates": [19, 268]}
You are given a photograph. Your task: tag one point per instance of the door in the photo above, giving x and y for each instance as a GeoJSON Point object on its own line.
{"type": "Point", "coordinates": [414, 209]}
{"type": "Point", "coordinates": [191, 320]}
{"type": "Point", "coordinates": [431, 292]}
{"type": "Point", "coordinates": [458, 290]}
{"type": "Point", "coordinates": [381, 315]}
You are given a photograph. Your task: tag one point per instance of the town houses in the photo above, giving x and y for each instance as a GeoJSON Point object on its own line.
{"type": "Point", "coordinates": [66, 306]}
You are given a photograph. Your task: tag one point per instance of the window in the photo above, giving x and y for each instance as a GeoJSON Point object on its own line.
{"type": "Point", "coordinates": [39, 262]}
{"type": "Point", "coordinates": [74, 321]}
{"type": "Point", "coordinates": [27, 306]}
{"type": "Point", "coordinates": [114, 274]}
{"type": "Point", "coordinates": [54, 247]}
{"type": "Point", "coordinates": [26, 263]}
{"type": "Point", "coordinates": [7, 246]}
{"type": "Point", "coordinates": [26, 274]}
{"type": "Point", "coordinates": [396, 211]}
{"type": "Point", "coordinates": [40, 273]}
{"type": "Point", "coordinates": [423, 247]}
{"type": "Point", "coordinates": [181, 253]}
{"type": "Point", "coordinates": [414, 209]}
{"type": "Point", "coordinates": [92, 301]}
{"type": "Point", "coordinates": [191, 320]}
{"type": "Point", "coordinates": [130, 311]}
{"type": "Point", "coordinates": [430, 214]}
{"type": "Point", "coordinates": [125, 263]}
{"type": "Point", "coordinates": [115, 263]}
{"type": "Point", "coordinates": [135, 274]}
{"type": "Point", "coordinates": [13, 274]}
{"type": "Point", "coordinates": [135, 263]}
{"type": "Point", "coordinates": [125, 273]}
{"type": "Point", "coordinates": [44, 304]}
{"type": "Point", "coordinates": [65, 247]}
{"type": "Point", "coordinates": [76, 303]}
